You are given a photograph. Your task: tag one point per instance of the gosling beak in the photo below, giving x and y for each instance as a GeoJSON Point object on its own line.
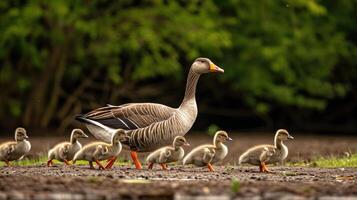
{"type": "Point", "coordinates": [215, 68]}
{"type": "Point", "coordinates": [229, 139]}
{"type": "Point", "coordinates": [26, 137]}
{"type": "Point", "coordinates": [290, 137]}
{"type": "Point", "coordinates": [186, 144]}
{"type": "Point", "coordinates": [85, 136]}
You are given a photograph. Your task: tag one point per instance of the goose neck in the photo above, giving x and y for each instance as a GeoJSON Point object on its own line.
{"type": "Point", "coordinates": [191, 85]}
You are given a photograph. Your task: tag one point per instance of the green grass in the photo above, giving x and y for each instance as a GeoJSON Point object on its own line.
{"type": "Point", "coordinates": [43, 160]}
{"type": "Point", "coordinates": [330, 162]}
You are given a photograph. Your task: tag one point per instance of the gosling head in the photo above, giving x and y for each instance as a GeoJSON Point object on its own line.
{"type": "Point", "coordinates": [120, 136]}
{"type": "Point", "coordinates": [205, 65]}
{"type": "Point", "coordinates": [180, 141]}
{"type": "Point", "coordinates": [222, 136]}
{"type": "Point", "coordinates": [78, 133]}
{"type": "Point", "coordinates": [283, 135]}
{"type": "Point", "coordinates": [20, 134]}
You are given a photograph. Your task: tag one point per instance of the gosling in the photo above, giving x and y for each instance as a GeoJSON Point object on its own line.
{"type": "Point", "coordinates": [10, 151]}
{"type": "Point", "coordinates": [261, 155]}
{"type": "Point", "coordinates": [65, 151]}
{"type": "Point", "coordinates": [98, 151]}
{"type": "Point", "coordinates": [208, 154]}
{"type": "Point", "coordinates": [168, 154]}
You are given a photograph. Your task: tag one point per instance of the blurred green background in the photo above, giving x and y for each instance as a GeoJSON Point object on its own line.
{"type": "Point", "coordinates": [288, 63]}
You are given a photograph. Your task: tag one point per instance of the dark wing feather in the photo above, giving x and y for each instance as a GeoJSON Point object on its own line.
{"type": "Point", "coordinates": [131, 116]}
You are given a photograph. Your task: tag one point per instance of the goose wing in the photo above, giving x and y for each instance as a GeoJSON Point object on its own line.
{"type": "Point", "coordinates": [130, 116]}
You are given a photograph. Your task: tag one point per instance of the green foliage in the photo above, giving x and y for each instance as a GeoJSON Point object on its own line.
{"type": "Point", "coordinates": [56, 55]}
{"type": "Point", "coordinates": [331, 162]}
{"type": "Point", "coordinates": [285, 52]}
{"type": "Point", "coordinates": [212, 129]}
{"type": "Point", "coordinates": [235, 185]}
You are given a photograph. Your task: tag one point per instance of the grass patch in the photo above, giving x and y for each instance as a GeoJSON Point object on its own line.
{"type": "Point", "coordinates": [43, 160]}
{"type": "Point", "coordinates": [330, 162]}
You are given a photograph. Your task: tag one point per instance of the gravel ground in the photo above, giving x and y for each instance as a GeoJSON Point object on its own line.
{"type": "Point", "coordinates": [79, 182]}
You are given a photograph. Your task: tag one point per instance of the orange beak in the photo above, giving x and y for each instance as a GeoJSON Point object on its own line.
{"type": "Point", "coordinates": [215, 68]}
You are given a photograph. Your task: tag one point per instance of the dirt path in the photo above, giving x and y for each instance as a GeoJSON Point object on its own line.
{"type": "Point", "coordinates": [79, 182]}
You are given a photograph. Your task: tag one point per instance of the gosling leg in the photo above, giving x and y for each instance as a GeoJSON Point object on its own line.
{"type": "Point", "coordinates": [264, 168]}
{"type": "Point", "coordinates": [151, 165]}
{"type": "Point", "coordinates": [210, 167]}
{"type": "Point", "coordinates": [91, 165]}
{"type": "Point", "coordinates": [99, 165]}
{"type": "Point", "coordinates": [50, 163]}
{"type": "Point", "coordinates": [164, 166]}
{"type": "Point", "coordinates": [111, 163]}
{"type": "Point", "coordinates": [66, 162]}
{"type": "Point", "coordinates": [134, 157]}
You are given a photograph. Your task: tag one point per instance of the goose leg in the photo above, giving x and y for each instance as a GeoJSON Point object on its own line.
{"type": "Point", "coordinates": [7, 163]}
{"type": "Point", "coordinates": [210, 168]}
{"type": "Point", "coordinates": [99, 165]}
{"type": "Point", "coordinates": [49, 163]}
{"type": "Point", "coordinates": [151, 165]}
{"type": "Point", "coordinates": [163, 166]}
{"type": "Point", "coordinates": [91, 165]}
{"type": "Point", "coordinates": [134, 157]}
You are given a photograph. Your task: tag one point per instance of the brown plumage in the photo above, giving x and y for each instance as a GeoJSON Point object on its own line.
{"type": "Point", "coordinates": [150, 125]}
{"type": "Point", "coordinates": [65, 151]}
{"type": "Point", "coordinates": [168, 154]}
{"type": "Point", "coordinates": [261, 155]}
{"type": "Point", "coordinates": [98, 151]}
{"type": "Point", "coordinates": [16, 150]}
{"type": "Point", "coordinates": [208, 154]}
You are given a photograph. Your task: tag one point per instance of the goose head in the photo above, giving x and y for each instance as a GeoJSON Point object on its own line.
{"type": "Point", "coordinates": [20, 134]}
{"type": "Point", "coordinates": [221, 136]}
{"type": "Point", "coordinates": [283, 135]}
{"type": "Point", "coordinates": [180, 141]}
{"type": "Point", "coordinates": [119, 136]}
{"type": "Point", "coordinates": [205, 65]}
{"type": "Point", "coordinates": [78, 133]}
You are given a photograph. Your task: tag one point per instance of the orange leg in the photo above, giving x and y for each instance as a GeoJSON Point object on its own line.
{"type": "Point", "coordinates": [100, 165]}
{"type": "Point", "coordinates": [261, 168]}
{"type": "Point", "coordinates": [49, 163]}
{"type": "Point", "coordinates": [210, 168]}
{"type": "Point", "coordinates": [91, 165]}
{"type": "Point", "coordinates": [66, 162]}
{"type": "Point", "coordinates": [134, 157]}
{"type": "Point", "coordinates": [164, 166]}
{"type": "Point", "coordinates": [151, 165]}
{"type": "Point", "coordinates": [264, 168]}
{"type": "Point", "coordinates": [110, 163]}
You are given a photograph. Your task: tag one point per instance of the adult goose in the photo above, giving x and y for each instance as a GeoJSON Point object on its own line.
{"type": "Point", "coordinates": [149, 125]}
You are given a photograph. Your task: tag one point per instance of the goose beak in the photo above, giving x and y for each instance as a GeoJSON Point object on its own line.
{"type": "Point", "coordinates": [290, 137]}
{"type": "Point", "coordinates": [186, 144]}
{"type": "Point", "coordinates": [85, 136]}
{"type": "Point", "coordinates": [26, 137]}
{"type": "Point", "coordinates": [215, 68]}
{"type": "Point", "coordinates": [229, 139]}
